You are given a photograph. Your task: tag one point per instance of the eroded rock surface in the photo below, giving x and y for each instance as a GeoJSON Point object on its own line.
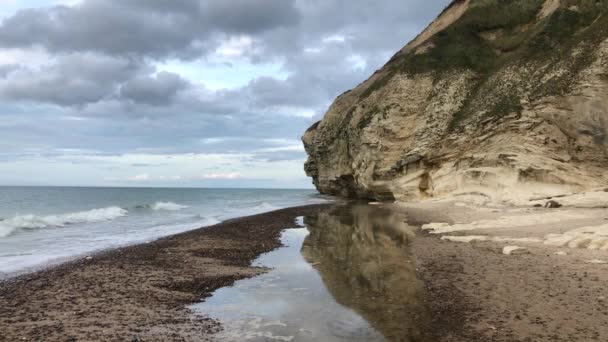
{"type": "Point", "coordinates": [508, 99]}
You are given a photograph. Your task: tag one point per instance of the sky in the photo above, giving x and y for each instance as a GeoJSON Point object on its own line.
{"type": "Point", "coordinates": [188, 93]}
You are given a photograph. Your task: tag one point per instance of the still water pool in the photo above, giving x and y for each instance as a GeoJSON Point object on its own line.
{"type": "Point", "coordinates": [346, 276]}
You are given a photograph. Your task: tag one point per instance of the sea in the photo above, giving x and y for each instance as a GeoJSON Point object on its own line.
{"type": "Point", "coordinates": [43, 226]}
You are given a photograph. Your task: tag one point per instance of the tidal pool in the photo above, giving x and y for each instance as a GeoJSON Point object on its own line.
{"type": "Point", "coordinates": [347, 276]}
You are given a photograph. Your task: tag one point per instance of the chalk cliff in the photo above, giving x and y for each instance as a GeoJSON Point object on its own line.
{"type": "Point", "coordinates": [504, 98]}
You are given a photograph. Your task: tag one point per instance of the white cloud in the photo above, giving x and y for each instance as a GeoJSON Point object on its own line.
{"type": "Point", "coordinates": [140, 178]}
{"type": "Point", "coordinates": [186, 169]}
{"type": "Point", "coordinates": [289, 147]}
{"type": "Point", "coordinates": [336, 38]}
{"type": "Point", "coordinates": [254, 70]}
{"type": "Point", "coordinates": [34, 57]}
{"type": "Point", "coordinates": [145, 177]}
{"type": "Point", "coordinates": [235, 47]}
{"type": "Point", "coordinates": [313, 50]}
{"type": "Point", "coordinates": [231, 175]}
{"type": "Point", "coordinates": [357, 62]}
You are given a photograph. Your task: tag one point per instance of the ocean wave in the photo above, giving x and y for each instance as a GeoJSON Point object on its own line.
{"type": "Point", "coordinates": [265, 206]}
{"type": "Point", "coordinates": [208, 221]}
{"type": "Point", "coordinates": [167, 206]}
{"type": "Point", "coordinates": [8, 226]}
{"type": "Point", "coordinates": [170, 206]}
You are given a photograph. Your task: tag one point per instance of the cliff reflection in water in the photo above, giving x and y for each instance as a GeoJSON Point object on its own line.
{"type": "Point", "coordinates": [348, 277]}
{"type": "Point", "coordinates": [361, 254]}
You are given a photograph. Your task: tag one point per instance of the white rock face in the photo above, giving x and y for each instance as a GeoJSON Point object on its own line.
{"type": "Point", "coordinates": [525, 129]}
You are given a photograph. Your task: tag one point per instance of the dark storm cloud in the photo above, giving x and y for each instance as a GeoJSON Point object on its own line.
{"type": "Point", "coordinates": [101, 85]}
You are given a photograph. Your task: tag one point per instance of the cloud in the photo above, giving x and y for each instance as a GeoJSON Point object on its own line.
{"type": "Point", "coordinates": [7, 69]}
{"type": "Point", "coordinates": [140, 178]}
{"type": "Point", "coordinates": [325, 53]}
{"type": "Point", "coordinates": [73, 79]}
{"type": "Point", "coordinates": [144, 177]}
{"type": "Point", "coordinates": [235, 47]}
{"type": "Point", "coordinates": [149, 28]}
{"type": "Point", "coordinates": [231, 175]}
{"type": "Point", "coordinates": [119, 77]}
{"type": "Point", "coordinates": [158, 90]}
{"type": "Point", "coordinates": [250, 16]}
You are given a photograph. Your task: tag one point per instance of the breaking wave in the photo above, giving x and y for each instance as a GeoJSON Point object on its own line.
{"type": "Point", "coordinates": [265, 206]}
{"type": "Point", "coordinates": [8, 226]}
{"type": "Point", "coordinates": [167, 206]}
{"type": "Point", "coordinates": [206, 221]}
{"type": "Point", "coordinates": [170, 206]}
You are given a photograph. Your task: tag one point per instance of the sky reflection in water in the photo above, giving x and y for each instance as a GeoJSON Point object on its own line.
{"type": "Point", "coordinates": [347, 276]}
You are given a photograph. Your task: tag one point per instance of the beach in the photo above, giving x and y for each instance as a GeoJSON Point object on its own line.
{"type": "Point", "coordinates": [445, 286]}
{"type": "Point", "coordinates": [303, 171]}
{"type": "Point", "coordinates": [140, 292]}
{"type": "Point", "coordinates": [515, 273]}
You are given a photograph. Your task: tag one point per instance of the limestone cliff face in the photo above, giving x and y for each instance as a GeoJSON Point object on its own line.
{"type": "Point", "coordinates": [508, 99]}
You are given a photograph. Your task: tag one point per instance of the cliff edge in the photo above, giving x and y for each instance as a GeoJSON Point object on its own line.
{"type": "Point", "coordinates": [505, 99]}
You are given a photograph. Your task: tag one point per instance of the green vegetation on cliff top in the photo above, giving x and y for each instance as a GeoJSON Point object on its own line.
{"type": "Point", "coordinates": [516, 34]}
{"type": "Point", "coordinates": [493, 34]}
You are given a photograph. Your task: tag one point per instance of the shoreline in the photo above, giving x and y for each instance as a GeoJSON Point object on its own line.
{"type": "Point", "coordinates": [141, 291]}
{"type": "Point", "coordinates": [6, 277]}
{"type": "Point", "coordinates": [472, 289]}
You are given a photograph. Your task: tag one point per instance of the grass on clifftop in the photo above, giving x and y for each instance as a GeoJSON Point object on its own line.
{"type": "Point", "coordinates": [517, 34]}
{"type": "Point", "coordinates": [493, 34]}
{"type": "Point", "coordinates": [461, 46]}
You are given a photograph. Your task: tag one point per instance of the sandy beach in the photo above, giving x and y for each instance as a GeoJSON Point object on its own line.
{"type": "Point", "coordinates": [489, 273]}
{"type": "Point", "coordinates": [140, 293]}
{"type": "Point", "coordinates": [515, 273]}
{"type": "Point", "coordinates": [303, 171]}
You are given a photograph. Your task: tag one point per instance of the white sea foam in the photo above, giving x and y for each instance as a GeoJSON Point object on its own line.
{"type": "Point", "coordinates": [30, 241]}
{"type": "Point", "coordinates": [265, 206]}
{"type": "Point", "coordinates": [260, 208]}
{"type": "Point", "coordinates": [168, 206]}
{"type": "Point", "coordinates": [8, 226]}
{"type": "Point", "coordinates": [209, 221]}
{"type": "Point", "coordinates": [300, 221]}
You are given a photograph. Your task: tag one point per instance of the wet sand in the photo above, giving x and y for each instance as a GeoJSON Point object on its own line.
{"type": "Point", "coordinates": [471, 291]}
{"type": "Point", "coordinates": [140, 293]}
{"type": "Point", "coordinates": [529, 297]}
{"type": "Point", "coordinates": [541, 293]}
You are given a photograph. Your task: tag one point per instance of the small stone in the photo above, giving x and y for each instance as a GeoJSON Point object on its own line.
{"type": "Point", "coordinates": [553, 204]}
{"type": "Point", "coordinates": [509, 250]}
